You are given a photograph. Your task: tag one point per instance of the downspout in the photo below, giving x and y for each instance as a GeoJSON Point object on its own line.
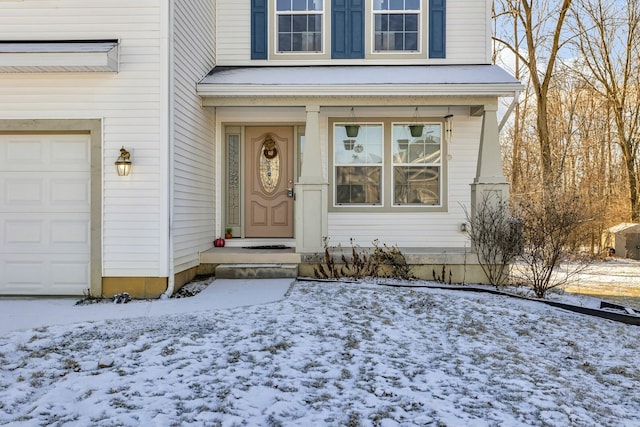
{"type": "Point", "coordinates": [170, 129]}
{"type": "Point", "coordinates": [507, 114]}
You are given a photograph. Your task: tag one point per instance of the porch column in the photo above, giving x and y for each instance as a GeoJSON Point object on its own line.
{"type": "Point", "coordinates": [489, 181]}
{"type": "Point", "coordinates": [311, 190]}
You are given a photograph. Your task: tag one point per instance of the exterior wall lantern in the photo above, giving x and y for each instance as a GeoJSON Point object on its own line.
{"type": "Point", "coordinates": [123, 164]}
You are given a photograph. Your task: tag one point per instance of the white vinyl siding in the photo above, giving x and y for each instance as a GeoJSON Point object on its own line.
{"type": "Point", "coordinates": [468, 37]}
{"type": "Point", "coordinates": [468, 32]}
{"type": "Point", "coordinates": [233, 32]}
{"type": "Point", "coordinates": [193, 155]}
{"type": "Point", "coordinates": [130, 104]}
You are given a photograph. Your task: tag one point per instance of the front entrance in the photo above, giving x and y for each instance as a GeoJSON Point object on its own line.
{"type": "Point", "coordinates": [269, 176]}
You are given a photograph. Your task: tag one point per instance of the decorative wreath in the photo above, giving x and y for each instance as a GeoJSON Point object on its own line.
{"type": "Point", "coordinates": [269, 149]}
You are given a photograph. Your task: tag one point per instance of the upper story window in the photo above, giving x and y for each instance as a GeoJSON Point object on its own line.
{"type": "Point", "coordinates": [299, 25]}
{"type": "Point", "coordinates": [348, 29]}
{"type": "Point", "coordinates": [396, 25]}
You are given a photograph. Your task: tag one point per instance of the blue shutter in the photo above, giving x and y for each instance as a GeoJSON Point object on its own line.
{"type": "Point", "coordinates": [347, 29]}
{"type": "Point", "coordinates": [259, 36]}
{"type": "Point", "coordinates": [437, 28]}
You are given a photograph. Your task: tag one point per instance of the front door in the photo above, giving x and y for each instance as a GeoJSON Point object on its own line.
{"type": "Point", "coordinates": [269, 176]}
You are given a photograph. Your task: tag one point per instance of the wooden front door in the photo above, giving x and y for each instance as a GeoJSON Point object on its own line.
{"type": "Point", "coordinates": [269, 176]}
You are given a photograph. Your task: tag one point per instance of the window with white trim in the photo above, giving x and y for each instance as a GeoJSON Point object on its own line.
{"type": "Point", "coordinates": [388, 164]}
{"type": "Point", "coordinates": [358, 164]}
{"type": "Point", "coordinates": [417, 164]}
{"type": "Point", "coordinates": [347, 29]}
{"type": "Point", "coordinates": [396, 25]}
{"type": "Point", "coordinates": [299, 25]}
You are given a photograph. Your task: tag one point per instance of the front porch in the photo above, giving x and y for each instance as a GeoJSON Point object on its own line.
{"type": "Point", "coordinates": [326, 186]}
{"type": "Point", "coordinates": [412, 198]}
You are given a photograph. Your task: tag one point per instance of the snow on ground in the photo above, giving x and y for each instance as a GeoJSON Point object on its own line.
{"type": "Point", "coordinates": [330, 354]}
{"type": "Point", "coordinates": [614, 279]}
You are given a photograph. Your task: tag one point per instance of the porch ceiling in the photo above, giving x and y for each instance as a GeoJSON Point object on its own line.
{"type": "Point", "coordinates": [332, 84]}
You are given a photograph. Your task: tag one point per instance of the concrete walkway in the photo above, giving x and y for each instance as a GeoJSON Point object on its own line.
{"type": "Point", "coordinates": [27, 313]}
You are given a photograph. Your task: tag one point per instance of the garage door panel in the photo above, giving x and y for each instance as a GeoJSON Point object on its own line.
{"type": "Point", "coordinates": [66, 192]}
{"type": "Point", "coordinates": [45, 213]}
{"type": "Point", "coordinates": [23, 192]}
{"type": "Point", "coordinates": [26, 274]}
{"type": "Point", "coordinates": [21, 232]}
{"type": "Point", "coordinates": [53, 192]}
{"type": "Point", "coordinates": [30, 232]}
{"type": "Point", "coordinates": [66, 233]}
{"type": "Point", "coordinates": [45, 277]}
{"type": "Point", "coordinates": [20, 151]}
{"type": "Point", "coordinates": [70, 151]}
{"type": "Point", "coordinates": [45, 153]}
{"type": "Point", "coordinates": [70, 273]}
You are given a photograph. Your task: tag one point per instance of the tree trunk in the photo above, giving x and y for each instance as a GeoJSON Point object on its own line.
{"type": "Point", "coordinates": [632, 178]}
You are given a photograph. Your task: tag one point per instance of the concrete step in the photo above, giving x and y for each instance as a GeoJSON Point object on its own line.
{"type": "Point", "coordinates": [257, 271]}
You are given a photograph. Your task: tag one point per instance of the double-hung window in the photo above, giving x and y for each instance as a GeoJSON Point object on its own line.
{"type": "Point", "coordinates": [358, 165]}
{"type": "Point", "coordinates": [348, 29]}
{"type": "Point", "coordinates": [389, 164]}
{"type": "Point", "coordinates": [299, 25]}
{"type": "Point", "coordinates": [396, 25]}
{"type": "Point", "coordinates": [417, 164]}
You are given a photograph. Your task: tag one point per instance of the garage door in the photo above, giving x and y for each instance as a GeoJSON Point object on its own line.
{"type": "Point", "coordinates": [45, 214]}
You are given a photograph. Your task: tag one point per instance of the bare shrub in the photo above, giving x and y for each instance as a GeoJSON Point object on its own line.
{"type": "Point", "coordinates": [496, 237]}
{"type": "Point", "coordinates": [383, 261]}
{"type": "Point", "coordinates": [549, 234]}
{"type": "Point", "coordinates": [394, 259]}
{"type": "Point", "coordinates": [359, 266]}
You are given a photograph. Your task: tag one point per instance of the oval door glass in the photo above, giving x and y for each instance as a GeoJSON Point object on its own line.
{"type": "Point", "coordinates": [269, 165]}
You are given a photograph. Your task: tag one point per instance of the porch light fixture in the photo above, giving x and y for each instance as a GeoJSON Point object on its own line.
{"type": "Point", "coordinates": [417, 127]}
{"type": "Point", "coordinates": [123, 164]}
{"type": "Point", "coordinates": [352, 128]}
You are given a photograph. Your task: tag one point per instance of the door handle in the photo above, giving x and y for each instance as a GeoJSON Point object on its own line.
{"type": "Point", "coordinates": [290, 193]}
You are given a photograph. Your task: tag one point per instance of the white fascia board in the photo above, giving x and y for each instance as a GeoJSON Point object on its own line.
{"type": "Point", "coordinates": [239, 90]}
{"type": "Point", "coordinates": [59, 57]}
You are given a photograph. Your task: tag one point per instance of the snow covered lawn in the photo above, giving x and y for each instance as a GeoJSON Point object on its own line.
{"type": "Point", "coordinates": [330, 354]}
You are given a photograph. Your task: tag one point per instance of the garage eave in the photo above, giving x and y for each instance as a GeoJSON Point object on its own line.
{"type": "Point", "coordinates": [59, 56]}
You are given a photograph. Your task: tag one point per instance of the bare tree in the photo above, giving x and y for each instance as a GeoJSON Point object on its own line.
{"type": "Point", "coordinates": [574, 149]}
{"type": "Point", "coordinates": [609, 46]}
{"type": "Point", "coordinates": [542, 23]}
